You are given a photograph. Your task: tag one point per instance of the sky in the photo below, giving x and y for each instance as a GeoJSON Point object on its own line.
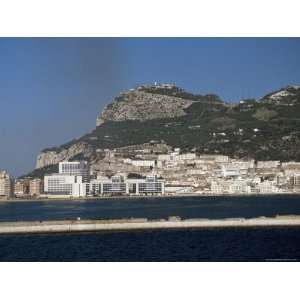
{"type": "Point", "coordinates": [52, 89]}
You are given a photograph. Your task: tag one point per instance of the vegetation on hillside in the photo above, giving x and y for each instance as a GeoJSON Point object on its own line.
{"type": "Point", "coordinates": [263, 130]}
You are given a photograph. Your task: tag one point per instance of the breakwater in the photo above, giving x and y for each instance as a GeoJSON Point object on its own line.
{"type": "Point", "coordinates": [141, 224]}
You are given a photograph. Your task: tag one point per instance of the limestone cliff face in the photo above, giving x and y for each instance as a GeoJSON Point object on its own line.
{"type": "Point", "coordinates": [47, 158]}
{"type": "Point", "coordinates": [142, 104]}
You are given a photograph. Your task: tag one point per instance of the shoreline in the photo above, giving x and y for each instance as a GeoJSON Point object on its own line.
{"type": "Point", "coordinates": [42, 199]}
{"type": "Point", "coordinates": [143, 224]}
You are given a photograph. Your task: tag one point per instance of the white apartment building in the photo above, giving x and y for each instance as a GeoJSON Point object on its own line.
{"type": "Point", "coordinates": [220, 187]}
{"type": "Point", "coordinates": [78, 168]}
{"type": "Point", "coordinates": [237, 186]}
{"type": "Point", "coordinates": [143, 163]}
{"type": "Point", "coordinates": [186, 156]}
{"type": "Point", "coordinates": [118, 184]}
{"type": "Point", "coordinates": [229, 170]}
{"type": "Point", "coordinates": [61, 184]}
{"type": "Point", "coordinates": [70, 181]}
{"type": "Point", "coordinates": [266, 187]}
{"type": "Point", "coordinates": [164, 157]}
{"type": "Point", "coordinates": [291, 165]}
{"type": "Point", "coordinates": [268, 164]}
{"type": "Point", "coordinates": [150, 185]}
{"type": "Point", "coordinates": [6, 186]}
{"type": "Point", "coordinates": [104, 185]}
{"type": "Point", "coordinates": [243, 165]}
{"type": "Point", "coordinates": [214, 158]}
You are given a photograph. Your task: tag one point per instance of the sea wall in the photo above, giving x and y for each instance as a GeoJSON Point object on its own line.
{"type": "Point", "coordinates": [82, 226]}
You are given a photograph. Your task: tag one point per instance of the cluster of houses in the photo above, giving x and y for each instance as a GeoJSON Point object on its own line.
{"type": "Point", "coordinates": [158, 171]}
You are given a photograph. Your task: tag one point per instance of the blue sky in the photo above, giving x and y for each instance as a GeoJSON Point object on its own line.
{"type": "Point", "coordinates": [51, 90]}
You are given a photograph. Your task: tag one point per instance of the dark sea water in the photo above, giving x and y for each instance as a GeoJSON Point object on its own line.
{"type": "Point", "coordinates": [228, 244]}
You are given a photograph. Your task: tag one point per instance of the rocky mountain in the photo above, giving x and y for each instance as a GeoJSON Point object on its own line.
{"type": "Point", "coordinates": [148, 103]}
{"type": "Point", "coordinates": [268, 128]}
{"type": "Point", "coordinates": [142, 105]}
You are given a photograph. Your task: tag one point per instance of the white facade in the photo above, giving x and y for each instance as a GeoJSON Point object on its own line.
{"type": "Point", "coordinates": [186, 156]}
{"type": "Point", "coordinates": [268, 164]}
{"type": "Point", "coordinates": [79, 168]}
{"type": "Point", "coordinates": [143, 163]}
{"type": "Point", "coordinates": [164, 157]}
{"type": "Point", "coordinates": [239, 187]}
{"type": "Point", "coordinates": [266, 187]}
{"type": "Point", "coordinates": [230, 186]}
{"type": "Point", "coordinates": [220, 187]}
{"type": "Point", "coordinates": [230, 170]}
{"type": "Point", "coordinates": [120, 185]}
{"type": "Point", "coordinates": [5, 184]}
{"type": "Point", "coordinates": [61, 184]}
{"type": "Point", "coordinates": [215, 158]}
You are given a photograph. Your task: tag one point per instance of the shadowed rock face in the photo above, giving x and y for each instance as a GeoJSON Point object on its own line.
{"type": "Point", "coordinates": [54, 157]}
{"type": "Point", "coordinates": [141, 105]}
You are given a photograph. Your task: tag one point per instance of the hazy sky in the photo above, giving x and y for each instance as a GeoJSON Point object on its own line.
{"type": "Point", "coordinates": [51, 90]}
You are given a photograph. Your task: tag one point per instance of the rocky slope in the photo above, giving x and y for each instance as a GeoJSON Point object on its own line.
{"type": "Point", "coordinates": [268, 128]}
{"type": "Point", "coordinates": [146, 103]}
{"type": "Point", "coordinates": [289, 95]}
{"type": "Point", "coordinates": [52, 157]}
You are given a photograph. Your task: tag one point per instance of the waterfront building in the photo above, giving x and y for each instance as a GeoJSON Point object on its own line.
{"type": "Point", "coordinates": [71, 180]}
{"type": "Point", "coordinates": [35, 187]}
{"type": "Point", "coordinates": [119, 185]}
{"type": "Point", "coordinates": [104, 185]}
{"type": "Point", "coordinates": [295, 181]}
{"type": "Point", "coordinates": [6, 186]}
{"type": "Point", "coordinates": [220, 186]}
{"type": "Point", "coordinates": [236, 186]}
{"type": "Point", "coordinates": [61, 184]}
{"type": "Point", "coordinates": [266, 187]}
{"type": "Point", "coordinates": [239, 187]}
{"type": "Point", "coordinates": [78, 168]}
{"type": "Point", "coordinates": [281, 179]}
{"type": "Point", "coordinates": [150, 185]}
{"type": "Point", "coordinates": [21, 187]}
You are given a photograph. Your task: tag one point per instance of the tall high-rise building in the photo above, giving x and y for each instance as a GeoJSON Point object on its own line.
{"type": "Point", "coordinates": [6, 187]}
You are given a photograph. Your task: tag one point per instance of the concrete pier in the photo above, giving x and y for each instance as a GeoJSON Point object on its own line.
{"type": "Point", "coordinates": [140, 224]}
